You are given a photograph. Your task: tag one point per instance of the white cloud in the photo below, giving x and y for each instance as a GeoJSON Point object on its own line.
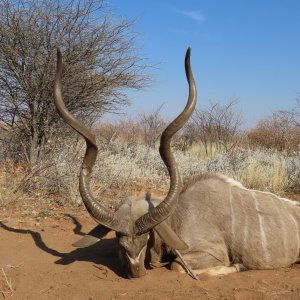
{"type": "Point", "coordinates": [192, 14]}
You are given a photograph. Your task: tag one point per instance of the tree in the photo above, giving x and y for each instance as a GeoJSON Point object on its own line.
{"type": "Point", "coordinates": [152, 125]}
{"type": "Point", "coordinates": [101, 61]}
{"type": "Point", "coordinates": [295, 113]}
{"type": "Point", "coordinates": [218, 126]}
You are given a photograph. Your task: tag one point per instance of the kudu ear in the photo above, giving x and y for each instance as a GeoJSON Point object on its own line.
{"type": "Point", "coordinates": [167, 234]}
{"type": "Point", "coordinates": [94, 236]}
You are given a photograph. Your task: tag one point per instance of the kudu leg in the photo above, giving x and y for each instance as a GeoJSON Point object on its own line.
{"type": "Point", "coordinates": [203, 263]}
{"type": "Point", "coordinates": [221, 270]}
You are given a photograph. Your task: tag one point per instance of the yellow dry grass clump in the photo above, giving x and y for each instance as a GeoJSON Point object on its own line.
{"type": "Point", "coordinates": [264, 177]}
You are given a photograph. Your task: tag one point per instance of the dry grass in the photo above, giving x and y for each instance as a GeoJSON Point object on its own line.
{"type": "Point", "coordinates": [10, 179]}
{"type": "Point", "coordinates": [123, 169]}
{"type": "Point", "coordinates": [260, 176]}
{"type": "Point", "coordinates": [279, 181]}
{"type": "Point", "coordinates": [199, 151]}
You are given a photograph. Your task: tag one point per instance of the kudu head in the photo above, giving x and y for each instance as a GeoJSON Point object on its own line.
{"type": "Point", "coordinates": [131, 220]}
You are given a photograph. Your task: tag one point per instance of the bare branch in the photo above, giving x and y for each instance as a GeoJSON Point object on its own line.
{"type": "Point", "coordinates": [216, 126]}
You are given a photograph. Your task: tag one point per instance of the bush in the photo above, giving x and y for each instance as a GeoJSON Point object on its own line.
{"type": "Point", "coordinates": [278, 132]}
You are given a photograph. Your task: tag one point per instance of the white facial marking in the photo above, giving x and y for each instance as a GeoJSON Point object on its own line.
{"type": "Point", "coordinates": [135, 260]}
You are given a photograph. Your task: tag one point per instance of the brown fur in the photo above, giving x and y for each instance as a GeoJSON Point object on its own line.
{"type": "Point", "coordinates": [195, 178]}
{"type": "Point", "coordinates": [225, 223]}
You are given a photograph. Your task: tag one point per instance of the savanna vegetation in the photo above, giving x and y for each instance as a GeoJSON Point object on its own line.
{"type": "Point", "coordinates": [129, 161]}
{"type": "Point", "coordinates": [40, 157]}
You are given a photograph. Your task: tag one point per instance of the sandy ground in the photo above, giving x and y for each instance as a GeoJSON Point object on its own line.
{"type": "Point", "coordinates": [37, 261]}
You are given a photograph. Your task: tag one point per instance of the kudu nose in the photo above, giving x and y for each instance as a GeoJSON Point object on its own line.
{"type": "Point", "coordinates": [137, 271]}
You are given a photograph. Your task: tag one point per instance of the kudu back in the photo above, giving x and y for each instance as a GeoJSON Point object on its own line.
{"type": "Point", "coordinates": [211, 224]}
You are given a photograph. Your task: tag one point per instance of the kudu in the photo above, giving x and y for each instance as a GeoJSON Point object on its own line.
{"type": "Point", "coordinates": [219, 226]}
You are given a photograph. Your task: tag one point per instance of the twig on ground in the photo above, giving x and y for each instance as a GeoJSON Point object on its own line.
{"type": "Point", "coordinates": [8, 284]}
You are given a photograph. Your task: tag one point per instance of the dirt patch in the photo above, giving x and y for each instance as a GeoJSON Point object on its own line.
{"type": "Point", "coordinates": [37, 261]}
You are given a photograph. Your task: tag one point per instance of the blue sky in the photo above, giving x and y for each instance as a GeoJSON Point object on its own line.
{"type": "Point", "coordinates": [244, 50]}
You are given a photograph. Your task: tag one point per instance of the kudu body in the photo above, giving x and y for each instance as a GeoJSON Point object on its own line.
{"type": "Point", "coordinates": [211, 223]}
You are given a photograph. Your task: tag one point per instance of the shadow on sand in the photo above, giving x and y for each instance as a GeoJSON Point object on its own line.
{"type": "Point", "coordinates": [105, 252]}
